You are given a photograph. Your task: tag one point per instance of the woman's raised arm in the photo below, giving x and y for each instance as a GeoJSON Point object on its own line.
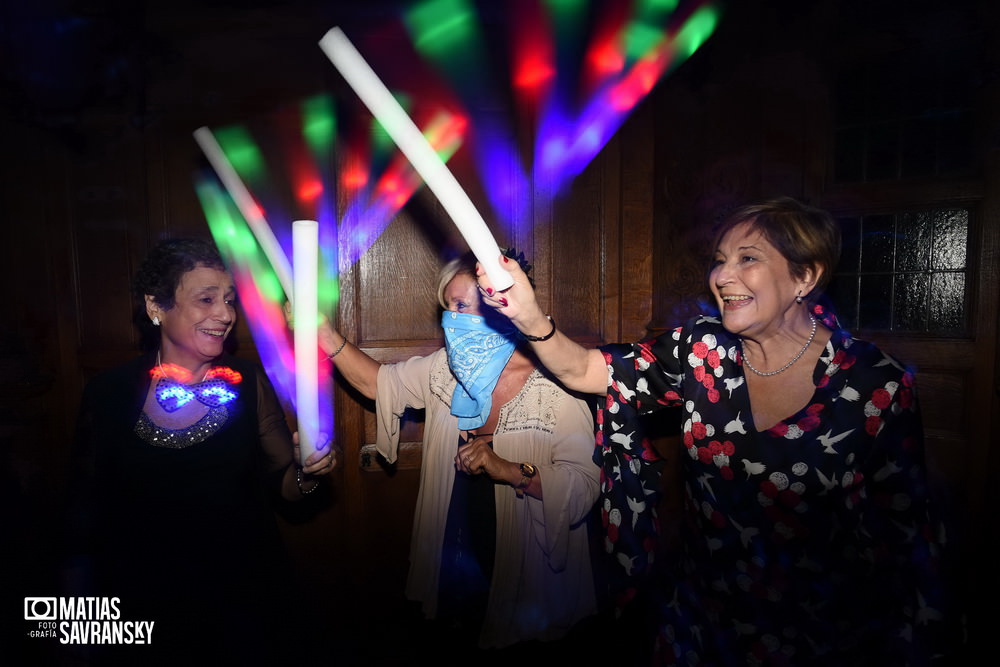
{"type": "Point", "coordinates": [357, 367]}
{"type": "Point", "coordinates": [576, 367]}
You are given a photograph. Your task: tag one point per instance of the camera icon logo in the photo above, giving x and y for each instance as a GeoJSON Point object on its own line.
{"type": "Point", "coordinates": [40, 609]}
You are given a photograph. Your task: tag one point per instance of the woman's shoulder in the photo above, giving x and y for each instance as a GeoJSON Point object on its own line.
{"type": "Point", "coordinates": [435, 364]}
{"type": "Point", "coordinates": [860, 356]}
{"type": "Point", "coordinates": [705, 327]}
{"type": "Point", "coordinates": [136, 367]}
{"type": "Point", "coordinates": [251, 371]}
{"type": "Point", "coordinates": [431, 370]}
{"type": "Point", "coordinates": [116, 387]}
{"type": "Point", "coordinates": [252, 377]}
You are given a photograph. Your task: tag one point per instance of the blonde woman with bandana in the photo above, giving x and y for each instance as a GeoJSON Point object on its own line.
{"type": "Point", "coordinates": [499, 545]}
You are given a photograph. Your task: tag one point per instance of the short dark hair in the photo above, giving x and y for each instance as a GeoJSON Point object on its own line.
{"type": "Point", "coordinates": [160, 273]}
{"type": "Point", "coordinates": [806, 236]}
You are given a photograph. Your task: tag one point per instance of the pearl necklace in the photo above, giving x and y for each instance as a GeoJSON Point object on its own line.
{"type": "Point", "coordinates": [805, 347]}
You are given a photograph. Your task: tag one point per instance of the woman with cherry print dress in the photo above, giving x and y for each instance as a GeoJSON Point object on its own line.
{"type": "Point", "coordinates": [808, 535]}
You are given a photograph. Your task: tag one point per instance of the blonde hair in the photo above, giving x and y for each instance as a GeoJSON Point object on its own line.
{"type": "Point", "coordinates": [464, 264]}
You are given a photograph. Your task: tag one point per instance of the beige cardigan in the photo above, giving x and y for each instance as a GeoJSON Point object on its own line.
{"type": "Point", "coordinates": [542, 578]}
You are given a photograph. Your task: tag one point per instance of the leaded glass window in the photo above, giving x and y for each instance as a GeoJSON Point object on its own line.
{"type": "Point", "coordinates": [904, 272]}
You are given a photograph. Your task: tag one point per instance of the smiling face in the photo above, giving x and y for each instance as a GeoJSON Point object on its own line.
{"type": "Point", "coordinates": [194, 329]}
{"type": "Point", "coordinates": [753, 284]}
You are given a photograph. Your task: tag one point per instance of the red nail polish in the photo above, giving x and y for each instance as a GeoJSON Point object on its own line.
{"type": "Point", "coordinates": [503, 301]}
{"type": "Point", "coordinates": [505, 260]}
{"type": "Point", "coordinates": [489, 291]}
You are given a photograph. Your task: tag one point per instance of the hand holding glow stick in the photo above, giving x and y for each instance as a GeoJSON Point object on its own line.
{"type": "Point", "coordinates": [248, 207]}
{"type": "Point", "coordinates": [305, 252]}
{"type": "Point", "coordinates": [418, 151]}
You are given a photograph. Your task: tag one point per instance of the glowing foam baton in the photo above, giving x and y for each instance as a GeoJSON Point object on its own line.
{"type": "Point", "coordinates": [248, 207]}
{"type": "Point", "coordinates": [418, 151]}
{"type": "Point", "coordinates": [305, 254]}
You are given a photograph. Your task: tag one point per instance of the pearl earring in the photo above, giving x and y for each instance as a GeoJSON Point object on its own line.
{"type": "Point", "coordinates": [156, 320]}
{"type": "Point", "coordinates": [798, 298]}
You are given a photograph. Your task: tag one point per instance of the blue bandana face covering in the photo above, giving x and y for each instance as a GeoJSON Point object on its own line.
{"type": "Point", "coordinates": [477, 353]}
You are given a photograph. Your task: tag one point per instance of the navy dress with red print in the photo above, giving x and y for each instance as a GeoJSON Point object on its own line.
{"type": "Point", "coordinates": [809, 543]}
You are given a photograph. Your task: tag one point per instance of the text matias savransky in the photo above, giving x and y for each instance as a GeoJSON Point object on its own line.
{"type": "Point", "coordinates": [94, 620]}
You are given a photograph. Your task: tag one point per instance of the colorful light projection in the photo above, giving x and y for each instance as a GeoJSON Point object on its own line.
{"type": "Point", "coordinates": [371, 205]}
{"type": "Point", "coordinates": [298, 367]}
{"type": "Point", "coordinates": [260, 291]}
{"type": "Point", "coordinates": [362, 172]}
{"type": "Point", "coordinates": [317, 199]}
{"type": "Point", "coordinates": [243, 152]}
{"type": "Point", "coordinates": [448, 35]}
{"type": "Point", "coordinates": [567, 143]}
{"type": "Point", "coordinates": [418, 151]}
{"type": "Point", "coordinates": [577, 68]}
{"type": "Point", "coordinates": [305, 261]}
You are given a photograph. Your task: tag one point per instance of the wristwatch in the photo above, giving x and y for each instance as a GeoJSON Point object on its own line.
{"type": "Point", "coordinates": [527, 472]}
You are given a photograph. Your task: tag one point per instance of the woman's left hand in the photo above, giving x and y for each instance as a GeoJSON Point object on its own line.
{"type": "Point", "coordinates": [319, 462]}
{"type": "Point", "coordinates": [477, 456]}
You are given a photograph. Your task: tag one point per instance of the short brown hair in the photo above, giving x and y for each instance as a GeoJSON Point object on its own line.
{"type": "Point", "coordinates": [806, 236]}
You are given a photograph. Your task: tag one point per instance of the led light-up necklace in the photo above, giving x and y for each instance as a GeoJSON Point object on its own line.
{"type": "Point", "coordinates": [805, 347]}
{"type": "Point", "coordinates": [217, 387]}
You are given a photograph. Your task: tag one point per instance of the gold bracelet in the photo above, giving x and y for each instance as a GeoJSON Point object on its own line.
{"type": "Point", "coordinates": [338, 350]}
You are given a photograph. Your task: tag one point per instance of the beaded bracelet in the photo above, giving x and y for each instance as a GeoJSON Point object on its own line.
{"type": "Point", "coordinates": [337, 351]}
{"type": "Point", "coordinates": [298, 481]}
{"type": "Point", "coordinates": [540, 339]}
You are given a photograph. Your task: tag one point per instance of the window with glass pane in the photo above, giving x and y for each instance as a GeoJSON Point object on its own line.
{"type": "Point", "coordinates": [904, 272]}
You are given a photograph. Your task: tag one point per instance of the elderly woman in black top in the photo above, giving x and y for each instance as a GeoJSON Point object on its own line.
{"type": "Point", "coordinates": [181, 455]}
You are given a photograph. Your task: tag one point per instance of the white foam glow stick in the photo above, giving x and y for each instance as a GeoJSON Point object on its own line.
{"type": "Point", "coordinates": [360, 76]}
{"type": "Point", "coordinates": [305, 253]}
{"type": "Point", "coordinates": [248, 207]}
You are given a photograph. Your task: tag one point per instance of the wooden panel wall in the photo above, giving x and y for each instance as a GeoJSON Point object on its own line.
{"type": "Point", "coordinates": [621, 254]}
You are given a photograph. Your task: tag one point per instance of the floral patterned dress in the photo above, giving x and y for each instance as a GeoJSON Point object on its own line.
{"type": "Point", "coordinates": [808, 543]}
